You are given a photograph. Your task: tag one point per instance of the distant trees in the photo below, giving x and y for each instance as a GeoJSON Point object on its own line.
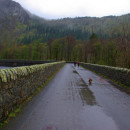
{"type": "Point", "coordinates": [70, 43]}
{"type": "Point", "coordinates": [113, 52]}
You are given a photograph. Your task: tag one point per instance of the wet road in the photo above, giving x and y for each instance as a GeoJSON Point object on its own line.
{"type": "Point", "coordinates": [68, 102]}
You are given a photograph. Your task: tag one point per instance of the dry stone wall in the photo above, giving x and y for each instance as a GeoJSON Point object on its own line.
{"type": "Point", "coordinates": [18, 83]}
{"type": "Point", "coordinates": [121, 75]}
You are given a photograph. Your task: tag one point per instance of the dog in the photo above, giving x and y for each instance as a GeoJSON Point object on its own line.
{"type": "Point", "coordinates": [90, 81]}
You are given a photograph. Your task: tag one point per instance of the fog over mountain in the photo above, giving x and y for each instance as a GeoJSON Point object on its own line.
{"type": "Point", "coordinates": [23, 35]}
{"type": "Point", "coordinates": [20, 26]}
{"type": "Point", "coordinates": [54, 9]}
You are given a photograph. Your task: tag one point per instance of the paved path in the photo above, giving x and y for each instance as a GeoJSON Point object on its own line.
{"type": "Point", "coordinates": [68, 102]}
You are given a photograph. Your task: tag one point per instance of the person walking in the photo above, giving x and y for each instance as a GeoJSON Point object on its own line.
{"type": "Point", "coordinates": [74, 64]}
{"type": "Point", "coordinates": [78, 63]}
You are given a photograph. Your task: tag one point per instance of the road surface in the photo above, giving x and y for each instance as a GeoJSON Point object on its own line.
{"type": "Point", "coordinates": [68, 102]}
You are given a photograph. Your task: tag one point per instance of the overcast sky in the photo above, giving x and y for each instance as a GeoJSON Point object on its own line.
{"type": "Point", "coordinates": [54, 9]}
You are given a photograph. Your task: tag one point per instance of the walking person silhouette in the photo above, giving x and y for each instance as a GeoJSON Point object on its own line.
{"type": "Point", "coordinates": [78, 63]}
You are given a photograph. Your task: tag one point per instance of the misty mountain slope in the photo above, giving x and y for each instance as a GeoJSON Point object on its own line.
{"type": "Point", "coordinates": [80, 28]}
{"type": "Point", "coordinates": [12, 16]}
{"type": "Point", "coordinates": [20, 26]}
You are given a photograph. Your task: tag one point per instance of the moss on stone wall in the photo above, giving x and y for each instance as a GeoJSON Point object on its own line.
{"type": "Point", "coordinates": [17, 84]}
{"type": "Point", "coordinates": [120, 75]}
{"type": "Point", "coordinates": [6, 75]}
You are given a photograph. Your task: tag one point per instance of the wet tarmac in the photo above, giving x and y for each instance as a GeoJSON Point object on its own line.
{"type": "Point", "coordinates": [68, 102]}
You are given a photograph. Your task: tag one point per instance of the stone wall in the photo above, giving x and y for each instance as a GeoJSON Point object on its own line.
{"type": "Point", "coordinates": [121, 75]}
{"type": "Point", "coordinates": [17, 84]}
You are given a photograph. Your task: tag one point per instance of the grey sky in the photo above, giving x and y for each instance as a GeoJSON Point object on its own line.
{"type": "Point", "coordinates": [53, 9]}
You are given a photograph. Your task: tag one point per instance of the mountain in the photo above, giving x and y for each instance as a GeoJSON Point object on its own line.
{"type": "Point", "coordinates": [20, 26]}
{"type": "Point", "coordinates": [12, 9]}
{"type": "Point", "coordinates": [81, 28]}
{"type": "Point", "coordinates": [12, 15]}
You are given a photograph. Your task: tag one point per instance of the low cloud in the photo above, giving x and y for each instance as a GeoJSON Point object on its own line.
{"type": "Point", "coordinates": [53, 9]}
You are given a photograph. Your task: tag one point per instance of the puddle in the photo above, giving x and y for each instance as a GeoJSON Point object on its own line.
{"type": "Point", "coordinates": [86, 94]}
{"type": "Point", "coordinates": [75, 72]}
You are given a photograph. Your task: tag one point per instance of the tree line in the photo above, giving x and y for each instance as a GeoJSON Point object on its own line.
{"type": "Point", "coordinates": [113, 52]}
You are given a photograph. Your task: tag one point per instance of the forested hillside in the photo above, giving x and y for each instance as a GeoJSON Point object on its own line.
{"type": "Point", "coordinates": [103, 40]}
{"type": "Point", "coordinates": [25, 28]}
{"type": "Point", "coordinates": [80, 28]}
{"type": "Point", "coordinates": [13, 21]}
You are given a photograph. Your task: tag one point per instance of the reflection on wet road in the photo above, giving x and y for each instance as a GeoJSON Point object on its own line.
{"type": "Point", "coordinates": [86, 94]}
{"type": "Point", "coordinates": [70, 103]}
